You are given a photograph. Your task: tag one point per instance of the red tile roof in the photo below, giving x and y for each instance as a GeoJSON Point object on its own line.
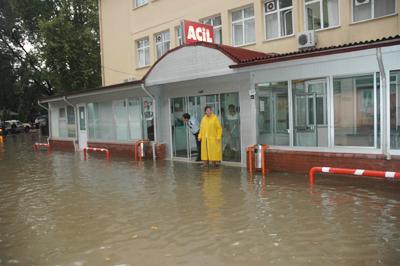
{"type": "Point", "coordinates": [313, 52]}
{"type": "Point", "coordinates": [238, 55]}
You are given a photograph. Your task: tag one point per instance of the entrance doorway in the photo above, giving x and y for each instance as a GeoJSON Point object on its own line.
{"type": "Point", "coordinates": [225, 107]}
{"type": "Point", "coordinates": [310, 114]}
{"type": "Point", "coordinates": [82, 131]}
{"type": "Point", "coordinates": [273, 116]}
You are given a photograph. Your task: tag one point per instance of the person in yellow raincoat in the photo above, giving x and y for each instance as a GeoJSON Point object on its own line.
{"type": "Point", "coordinates": [210, 135]}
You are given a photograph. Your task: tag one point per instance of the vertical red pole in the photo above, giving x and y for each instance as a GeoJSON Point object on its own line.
{"type": "Point", "coordinates": [84, 154]}
{"type": "Point", "coordinates": [251, 160]}
{"type": "Point", "coordinates": [107, 155]}
{"type": "Point", "coordinates": [312, 175]}
{"type": "Point", "coordinates": [262, 160]}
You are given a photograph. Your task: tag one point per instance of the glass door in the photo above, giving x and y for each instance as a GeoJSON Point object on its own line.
{"type": "Point", "coordinates": [305, 120]}
{"type": "Point", "coordinates": [82, 135]}
{"type": "Point", "coordinates": [310, 113]}
{"type": "Point", "coordinates": [178, 127]}
{"type": "Point", "coordinates": [273, 114]}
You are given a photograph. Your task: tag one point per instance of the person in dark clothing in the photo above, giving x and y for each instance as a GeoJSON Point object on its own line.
{"type": "Point", "coordinates": [194, 126]}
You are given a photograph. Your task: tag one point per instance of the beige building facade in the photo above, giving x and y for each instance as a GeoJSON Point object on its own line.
{"type": "Point", "coordinates": [134, 33]}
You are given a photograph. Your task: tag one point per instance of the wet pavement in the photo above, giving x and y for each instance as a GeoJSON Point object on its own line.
{"type": "Point", "coordinates": [56, 209]}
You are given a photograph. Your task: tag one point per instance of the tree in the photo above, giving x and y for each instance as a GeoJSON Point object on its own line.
{"type": "Point", "coordinates": [48, 47]}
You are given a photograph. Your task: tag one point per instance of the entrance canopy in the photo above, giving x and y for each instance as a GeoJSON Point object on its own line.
{"type": "Point", "coordinates": [198, 60]}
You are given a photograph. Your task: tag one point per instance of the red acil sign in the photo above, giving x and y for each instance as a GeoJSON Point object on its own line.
{"type": "Point", "coordinates": [197, 32]}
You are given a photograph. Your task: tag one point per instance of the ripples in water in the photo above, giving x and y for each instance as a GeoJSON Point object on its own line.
{"type": "Point", "coordinates": [60, 210]}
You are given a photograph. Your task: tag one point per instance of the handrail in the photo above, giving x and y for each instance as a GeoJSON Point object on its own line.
{"type": "Point", "coordinates": [136, 150]}
{"type": "Point", "coordinates": [37, 145]}
{"type": "Point", "coordinates": [86, 149]}
{"type": "Point", "coordinates": [357, 172]}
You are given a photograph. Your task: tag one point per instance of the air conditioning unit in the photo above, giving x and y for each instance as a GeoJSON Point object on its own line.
{"type": "Point", "coordinates": [129, 79]}
{"type": "Point", "coordinates": [270, 6]}
{"type": "Point", "coordinates": [306, 39]}
{"type": "Point", "coordinates": [361, 2]}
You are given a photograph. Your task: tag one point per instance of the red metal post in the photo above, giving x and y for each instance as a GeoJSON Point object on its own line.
{"type": "Point", "coordinates": [84, 154]}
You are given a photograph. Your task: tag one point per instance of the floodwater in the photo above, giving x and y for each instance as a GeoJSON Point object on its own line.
{"type": "Point", "coordinates": [56, 209]}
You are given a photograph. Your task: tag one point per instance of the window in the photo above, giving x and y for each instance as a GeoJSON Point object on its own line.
{"type": "Point", "coordinates": [71, 122]}
{"type": "Point", "coordinates": [364, 10]}
{"type": "Point", "coordinates": [243, 26]}
{"type": "Point", "coordinates": [395, 109]}
{"type": "Point", "coordinates": [63, 123]}
{"type": "Point", "coordinates": [162, 43]}
{"type": "Point", "coordinates": [354, 105]}
{"type": "Point", "coordinates": [138, 3]}
{"type": "Point", "coordinates": [321, 14]}
{"type": "Point", "coordinates": [121, 120]}
{"type": "Point", "coordinates": [143, 52]}
{"type": "Point", "coordinates": [216, 23]}
{"type": "Point", "coordinates": [179, 35]}
{"type": "Point", "coordinates": [278, 18]}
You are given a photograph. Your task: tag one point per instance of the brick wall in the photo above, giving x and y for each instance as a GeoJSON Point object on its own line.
{"type": "Point", "coordinates": [301, 162]}
{"type": "Point", "coordinates": [127, 149]}
{"type": "Point", "coordinates": [62, 145]}
{"type": "Point", "coordinates": [114, 148]}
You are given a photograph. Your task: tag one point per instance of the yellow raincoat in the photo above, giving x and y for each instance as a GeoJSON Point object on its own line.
{"type": "Point", "coordinates": [210, 136]}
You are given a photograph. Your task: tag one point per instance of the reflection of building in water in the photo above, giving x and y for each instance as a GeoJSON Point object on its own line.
{"type": "Point", "coordinates": [213, 198]}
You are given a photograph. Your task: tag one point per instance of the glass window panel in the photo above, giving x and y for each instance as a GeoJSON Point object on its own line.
{"type": "Point", "coordinates": [237, 15]}
{"type": "Point", "coordinates": [384, 7]}
{"type": "Point", "coordinates": [249, 31]}
{"type": "Point", "coordinates": [121, 120]}
{"type": "Point", "coordinates": [217, 21]}
{"type": "Point", "coordinates": [395, 109]}
{"type": "Point", "coordinates": [249, 12]}
{"type": "Point", "coordinates": [135, 118]}
{"type": "Point", "coordinates": [286, 22]}
{"type": "Point", "coordinates": [313, 14]}
{"type": "Point", "coordinates": [71, 122]}
{"type": "Point", "coordinates": [238, 34]}
{"type": "Point", "coordinates": [354, 111]}
{"type": "Point", "coordinates": [101, 121]}
{"type": "Point", "coordinates": [61, 112]}
{"type": "Point", "coordinates": [362, 12]}
{"type": "Point", "coordinates": [330, 13]}
{"type": "Point", "coordinates": [218, 36]}
{"type": "Point", "coordinates": [285, 3]}
{"type": "Point", "coordinates": [271, 21]}
{"type": "Point", "coordinates": [62, 123]}
{"type": "Point", "coordinates": [230, 120]}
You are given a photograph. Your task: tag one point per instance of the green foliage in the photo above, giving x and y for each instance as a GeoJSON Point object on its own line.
{"type": "Point", "coordinates": [46, 47]}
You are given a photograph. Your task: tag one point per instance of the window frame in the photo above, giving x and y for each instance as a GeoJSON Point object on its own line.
{"type": "Point", "coordinates": [139, 48]}
{"type": "Point", "coordinates": [278, 11]}
{"type": "Point", "coordinates": [372, 13]}
{"type": "Point", "coordinates": [135, 5]}
{"type": "Point", "coordinates": [219, 27]}
{"type": "Point", "coordinates": [242, 21]}
{"type": "Point", "coordinates": [163, 41]}
{"type": "Point", "coordinates": [179, 35]}
{"type": "Point", "coordinates": [322, 14]}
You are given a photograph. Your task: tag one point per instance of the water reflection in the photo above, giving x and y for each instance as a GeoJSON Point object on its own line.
{"type": "Point", "coordinates": [60, 210]}
{"type": "Point", "coordinates": [212, 195]}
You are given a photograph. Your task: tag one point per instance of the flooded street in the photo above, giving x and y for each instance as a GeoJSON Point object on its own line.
{"type": "Point", "coordinates": [56, 209]}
